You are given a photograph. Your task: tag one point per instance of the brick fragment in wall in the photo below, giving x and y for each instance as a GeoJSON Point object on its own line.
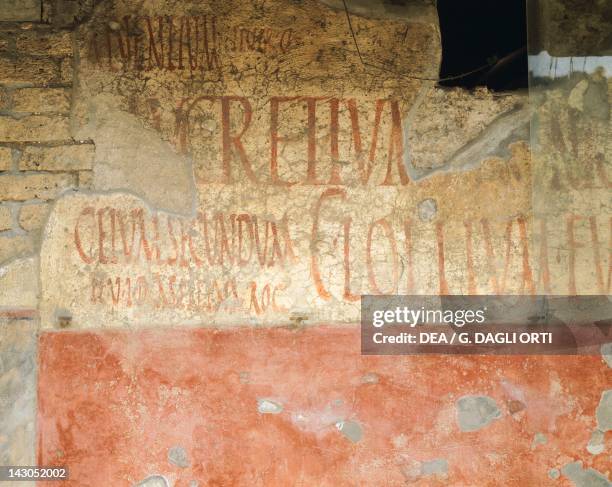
{"type": "Point", "coordinates": [48, 43]}
{"type": "Point", "coordinates": [38, 128]}
{"type": "Point", "coordinates": [19, 284]}
{"type": "Point", "coordinates": [6, 218]}
{"type": "Point", "coordinates": [32, 216]}
{"type": "Point", "coordinates": [43, 186]}
{"type": "Point", "coordinates": [41, 100]}
{"type": "Point", "coordinates": [60, 158]}
{"type": "Point", "coordinates": [15, 246]}
{"type": "Point", "coordinates": [28, 70]}
{"type": "Point", "coordinates": [6, 158]}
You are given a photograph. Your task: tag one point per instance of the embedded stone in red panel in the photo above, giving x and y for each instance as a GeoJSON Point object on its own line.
{"type": "Point", "coordinates": [267, 407]}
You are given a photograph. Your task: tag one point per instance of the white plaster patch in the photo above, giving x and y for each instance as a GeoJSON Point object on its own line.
{"type": "Point", "coordinates": [267, 406]}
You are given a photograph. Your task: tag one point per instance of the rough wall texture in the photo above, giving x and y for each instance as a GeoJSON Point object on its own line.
{"type": "Point", "coordinates": [246, 163]}
{"type": "Point", "coordinates": [556, 27]}
{"type": "Point", "coordinates": [244, 414]}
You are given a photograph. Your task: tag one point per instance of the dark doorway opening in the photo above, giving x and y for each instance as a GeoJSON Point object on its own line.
{"type": "Point", "coordinates": [484, 43]}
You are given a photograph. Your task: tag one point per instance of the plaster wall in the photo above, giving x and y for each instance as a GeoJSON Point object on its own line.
{"type": "Point", "coordinates": [181, 179]}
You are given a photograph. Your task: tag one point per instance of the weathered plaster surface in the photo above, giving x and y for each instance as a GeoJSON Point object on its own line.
{"type": "Point", "coordinates": [570, 27]}
{"type": "Point", "coordinates": [304, 250]}
{"type": "Point", "coordinates": [288, 152]}
{"type": "Point", "coordinates": [325, 420]}
{"type": "Point", "coordinates": [19, 285]}
{"type": "Point", "coordinates": [467, 128]}
{"type": "Point", "coordinates": [18, 376]}
{"type": "Point", "coordinates": [131, 157]}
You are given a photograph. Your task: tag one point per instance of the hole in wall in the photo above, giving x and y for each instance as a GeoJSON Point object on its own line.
{"type": "Point", "coordinates": [487, 39]}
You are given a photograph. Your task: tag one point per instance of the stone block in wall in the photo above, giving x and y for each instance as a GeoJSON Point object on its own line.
{"type": "Point", "coordinates": [66, 70]}
{"type": "Point", "coordinates": [15, 246]}
{"type": "Point", "coordinates": [27, 70]}
{"type": "Point", "coordinates": [20, 10]}
{"type": "Point", "coordinates": [37, 128]}
{"type": "Point", "coordinates": [41, 100]}
{"type": "Point", "coordinates": [5, 100]}
{"type": "Point", "coordinates": [6, 218]}
{"type": "Point", "coordinates": [6, 158]}
{"type": "Point", "coordinates": [60, 158]}
{"type": "Point", "coordinates": [17, 392]}
{"type": "Point", "coordinates": [43, 186]}
{"type": "Point", "coordinates": [66, 13]}
{"type": "Point", "coordinates": [47, 44]}
{"type": "Point", "coordinates": [19, 284]}
{"type": "Point", "coordinates": [33, 216]}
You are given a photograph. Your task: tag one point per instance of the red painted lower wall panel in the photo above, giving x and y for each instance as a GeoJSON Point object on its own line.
{"type": "Point", "coordinates": [112, 404]}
